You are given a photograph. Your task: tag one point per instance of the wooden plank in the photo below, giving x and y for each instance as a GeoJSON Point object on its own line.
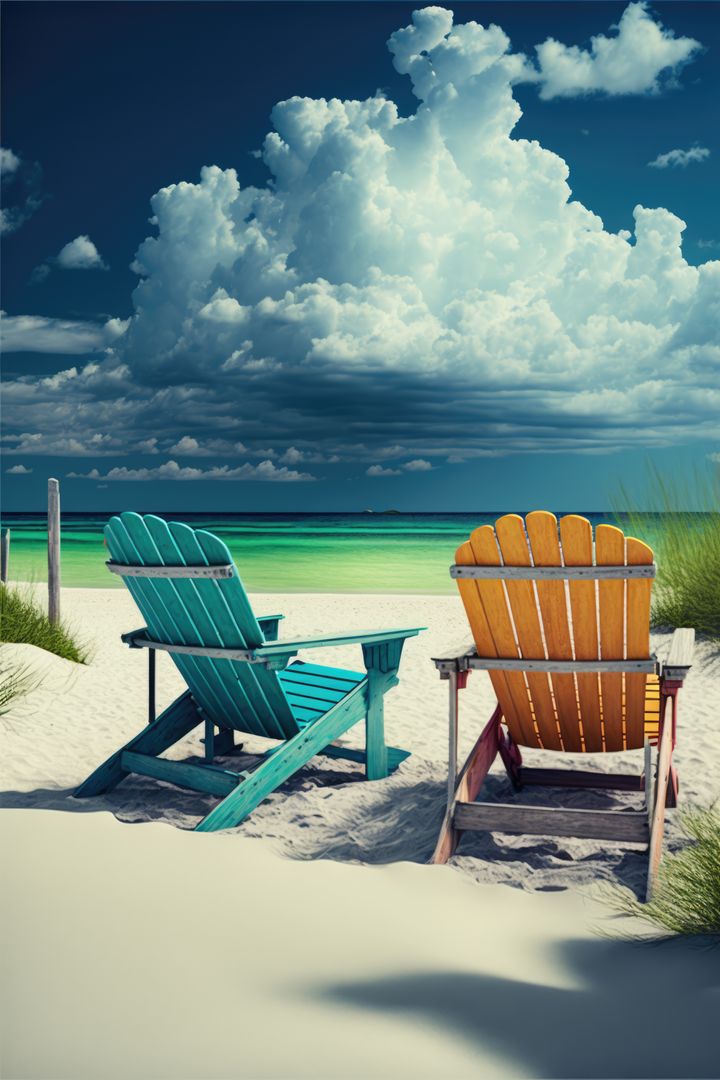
{"type": "Point", "coordinates": [53, 551]}
{"type": "Point", "coordinates": [468, 786]}
{"type": "Point", "coordinates": [637, 643]}
{"type": "Point", "coordinates": [223, 613]}
{"type": "Point", "coordinates": [196, 777]}
{"type": "Point", "coordinates": [657, 820]}
{"type": "Point", "coordinates": [286, 760]}
{"type": "Point", "coordinates": [581, 778]}
{"type": "Point", "coordinates": [376, 765]}
{"type": "Point", "coordinates": [680, 657]}
{"type": "Point", "coordinates": [482, 637]}
{"type": "Point", "coordinates": [513, 543]}
{"type": "Point", "coordinates": [577, 550]}
{"type": "Point", "coordinates": [159, 625]}
{"type": "Point", "coordinates": [610, 548]}
{"type": "Point", "coordinates": [542, 529]}
{"type": "Point", "coordinates": [492, 595]}
{"type": "Point", "coordinates": [356, 637]}
{"type": "Point", "coordinates": [4, 555]}
{"type": "Point", "coordinates": [221, 702]}
{"type": "Point", "coordinates": [171, 726]}
{"type": "Point", "coordinates": [621, 825]}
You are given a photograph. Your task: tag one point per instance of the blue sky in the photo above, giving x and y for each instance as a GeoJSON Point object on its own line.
{"type": "Point", "coordinates": [442, 301]}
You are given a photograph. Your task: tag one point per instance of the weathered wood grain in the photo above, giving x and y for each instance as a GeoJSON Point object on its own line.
{"type": "Point", "coordinates": [626, 826]}
{"type": "Point", "coordinates": [610, 548]}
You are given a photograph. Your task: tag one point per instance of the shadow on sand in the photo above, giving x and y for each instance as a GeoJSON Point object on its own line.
{"type": "Point", "coordinates": [638, 1011]}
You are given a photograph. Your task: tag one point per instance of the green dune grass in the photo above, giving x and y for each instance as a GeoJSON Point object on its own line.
{"type": "Point", "coordinates": [687, 591]}
{"type": "Point", "coordinates": [22, 620]}
{"type": "Point", "coordinates": [686, 898]}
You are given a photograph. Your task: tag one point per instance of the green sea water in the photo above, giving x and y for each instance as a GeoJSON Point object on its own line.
{"type": "Point", "coordinates": [363, 553]}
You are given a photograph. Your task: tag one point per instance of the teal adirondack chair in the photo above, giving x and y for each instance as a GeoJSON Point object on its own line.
{"type": "Point", "coordinates": [238, 674]}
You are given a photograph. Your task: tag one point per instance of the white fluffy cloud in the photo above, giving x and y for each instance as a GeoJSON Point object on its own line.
{"type": "Point", "coordinates": [18, 470]}
{"type": "Point", "coordinates": [414, 289]}
{"type": "Point", "coordinates": [170, 470]}
{"type": "Point", "coordinates": [681, 158]}
{"type": "Point", "coordinates": [632, 61]}
{"type": "Point", "coordinates": [80, 254]}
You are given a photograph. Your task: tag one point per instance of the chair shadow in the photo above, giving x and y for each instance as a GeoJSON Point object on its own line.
{"type": "Point", "coordinates": [639, 1011]}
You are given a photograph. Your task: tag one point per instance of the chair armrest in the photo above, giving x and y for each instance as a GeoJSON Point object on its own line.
{"type": "Point", "coordinates": [272, 654]}
{"type": "Point", "coordinates": [269, 626]}
{"type": "Point", "coordinates": [680, 657]}
{"type": "Point", "coordinates": [360, 637]}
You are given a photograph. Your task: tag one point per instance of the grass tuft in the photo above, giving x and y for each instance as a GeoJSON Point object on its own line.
{"type": "Point", "coordinates": [14, 683]}
{"type": "Point", "coordinates": [686, 899]}
{"type": "Point", "coordinates": [22, 620]}
{"type": "Point", "coordinates": [687, 590]}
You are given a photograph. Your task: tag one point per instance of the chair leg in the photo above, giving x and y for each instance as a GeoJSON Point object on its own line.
{"type": "Point", "coordinates": [468, 787]}
{"type": "Point", "coordinates": [284, 761]}
{"type": "Point", "coordinates": [511, 759]}
{"type": "Point", "coordinates": [171, 726]}
{"type": "Point", "coordinates": [376, 762]}
{"type": "Point", "coordinates": [662, 780]}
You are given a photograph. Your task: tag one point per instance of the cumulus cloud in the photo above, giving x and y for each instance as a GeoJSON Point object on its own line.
{"type": "Point", "coordinates": [681, 158]}
{"type": "Point", "coordinates": [170, 470]}
{"type": "Point", "coordinates": [18, 470]}
{"type": "Point", "coordinates": [634, 60]}
{"type": "Point", "coordinates": [78, 254]}
{"type": "Point", "coordinates": [406, 288]}
{"type": "Point", "coordinates": [22, 190]}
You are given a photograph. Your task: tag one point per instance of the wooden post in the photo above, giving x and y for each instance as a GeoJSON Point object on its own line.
{"type": "Point", "coordinates": [4, 554]}
{"type": "Point", "coordinates": [53, 551]}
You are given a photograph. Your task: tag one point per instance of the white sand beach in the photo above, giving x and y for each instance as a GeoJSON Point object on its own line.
{"type": "Point", "coordinates": [313, 940]}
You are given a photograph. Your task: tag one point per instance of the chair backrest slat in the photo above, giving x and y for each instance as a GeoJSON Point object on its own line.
{"type": "Point", "coordinates": [492, 596]}
{"type": "Point", "coordinates": [542, 531]}
{"type": "Point", "coordinates": [202, 611]}
{"type": "Point", "coordinates": [482, 637]}
{"type": "Point", "coordinates": [610, 551]}
{"type": "Point", "coordinates": [638, 641]}
{"type": "Point", "coordinates": [577, 550]}
{"type": "Point", "coordinates": [158, 620]}
{"type": "Point", "coordinates": [561, 619]}
{"type": "Point", "coordinates": [513, 542]}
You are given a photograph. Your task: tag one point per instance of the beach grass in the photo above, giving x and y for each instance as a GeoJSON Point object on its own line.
{"type": "Point", "coordinates": [15, 682]}
{"type": "Point", "coordinates": [22, 620]}
{"type": "Point", "coordinates": [686, 899]}
{"type": "Point", "coordinates": [687, 590]}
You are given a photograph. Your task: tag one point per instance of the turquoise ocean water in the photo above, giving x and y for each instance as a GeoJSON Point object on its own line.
{"type": "Point", "coordinates": [384, 553]}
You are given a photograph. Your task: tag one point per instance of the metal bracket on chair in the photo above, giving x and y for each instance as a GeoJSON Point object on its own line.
{"type": "Point", "coordinates": [124, 570]}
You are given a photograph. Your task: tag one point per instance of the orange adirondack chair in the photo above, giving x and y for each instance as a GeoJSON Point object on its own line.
{"type": "Point", "coordinates": [562, 626]}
